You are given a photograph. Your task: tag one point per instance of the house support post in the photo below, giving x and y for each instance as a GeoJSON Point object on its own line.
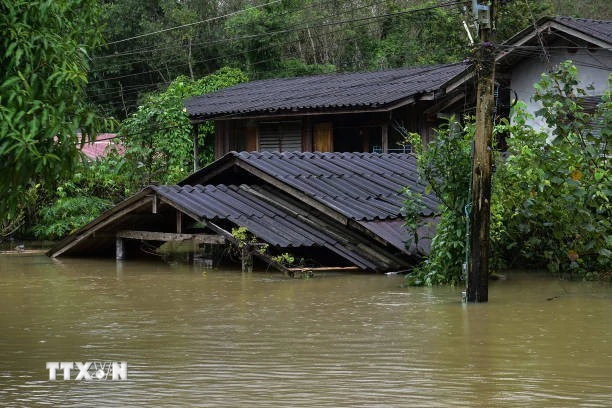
{"type": "Point", "coordinates": [119, 249]}
{"type": "Point", "coordinates": [247, 258]}
{"type": "Point", "coordinates": [478, 265]}
{"type": "Point", "coordinates": [384, 130]}
{"type": "Point", "coordinates": [196, 135]}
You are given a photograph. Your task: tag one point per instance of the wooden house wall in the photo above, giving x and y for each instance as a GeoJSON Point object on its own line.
{"type": "Point", "coordinates": [360, 132]}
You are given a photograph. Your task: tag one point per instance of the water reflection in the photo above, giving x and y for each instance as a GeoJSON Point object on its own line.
{"type": "Point", "coordinates": [221, 338]}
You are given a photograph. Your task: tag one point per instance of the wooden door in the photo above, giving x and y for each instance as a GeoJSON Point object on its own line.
{"type": "Point", "coordinates": [323, 137]}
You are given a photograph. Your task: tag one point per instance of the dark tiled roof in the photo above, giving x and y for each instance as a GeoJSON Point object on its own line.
{"type": "Point", "coordinates": [242, 206]}
{"type": "Point", "coordinates": [277, 219]}
{"type": "Point", "coordinates": [600, 29]}
{"type": "Point", "coordinates": [347, 203]}
{"type": "Point", "coordinates": [323, 92]}
{"type": "Point", "coordinates": [360, 186]}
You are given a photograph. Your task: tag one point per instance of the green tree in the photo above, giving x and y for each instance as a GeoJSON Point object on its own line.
{"type": "Point", "coordinates": [44, 47]}
{"type": "Point", "coordinates": [157, 137]}
{"type": "Point", "coordinates": [445, 165]}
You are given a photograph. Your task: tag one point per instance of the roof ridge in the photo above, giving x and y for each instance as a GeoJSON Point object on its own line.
{"type": "Point", "coordinates": [582, 19]}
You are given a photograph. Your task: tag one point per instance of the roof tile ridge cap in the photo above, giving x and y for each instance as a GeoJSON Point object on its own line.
{"type": "Point", "coordinates": [570, 18]}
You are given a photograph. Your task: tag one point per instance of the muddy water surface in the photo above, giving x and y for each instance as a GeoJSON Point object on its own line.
{"type": "Point", "coordinates": [226, 339]}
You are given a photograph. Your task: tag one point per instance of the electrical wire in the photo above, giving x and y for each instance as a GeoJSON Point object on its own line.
{"type": "Point", "coordinates": [155, 49]}
{"type": "Point", "coordinates": [194, 23]}
{"type": "Point", "coordinates": [370, 19]}
{"type": "Point", "coordinates": [291, 30]}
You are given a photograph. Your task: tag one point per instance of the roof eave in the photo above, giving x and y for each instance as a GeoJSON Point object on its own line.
{"type": "Point", "coordinates": [195, 119]}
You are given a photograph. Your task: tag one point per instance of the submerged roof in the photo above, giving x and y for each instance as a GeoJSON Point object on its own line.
{"type": "Point", "coordinates": [278, 220]}
{"type": "Point", "coordinates": [345, 91]}
{"type": "Point", "coordinates": [347, 203]}
{"type": "Point", "coordinates": [359, 186]}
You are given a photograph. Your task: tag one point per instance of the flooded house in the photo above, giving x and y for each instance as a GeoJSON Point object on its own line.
{"type": "Point", "coordinates": [314, 167]}
{"type": "Point", "coordinates": [333, 210]}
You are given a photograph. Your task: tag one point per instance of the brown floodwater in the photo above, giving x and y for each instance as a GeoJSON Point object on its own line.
{"type": "Point", "coordinates": [221, 338]}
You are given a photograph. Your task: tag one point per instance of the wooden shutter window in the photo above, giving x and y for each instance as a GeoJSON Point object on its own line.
{"type": "Point", "coordinates": [280, 137]}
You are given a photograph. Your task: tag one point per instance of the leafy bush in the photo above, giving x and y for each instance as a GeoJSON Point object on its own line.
{"type": "Point", "coordinates": [68, 214]}
{"type": "Point", "coordinates": [158, 140]}
{"type": "Point", "coordinates": [551, 198]}
{"type": "Point", "coordinates": [445, 165]}
{"type": "Point", "coordinates": [44, 47]}
{"type": "Point", "coordinates": [93, 188]}
{"type": "Point", "coordinates": [554, 195]}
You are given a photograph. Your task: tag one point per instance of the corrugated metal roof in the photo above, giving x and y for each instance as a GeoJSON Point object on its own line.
{"type": "Point", "coordinates": [364, 187]}
{"type": "Point", "coordinates": [360, 186]}
{"type": "Point", "coordinates": [267, 213]}
{"type": "Point", "coordinates": [277, 219]}
{"type": "Point", "coordinates": [600, 29]}
{"type": "Point", "coordinates": [323, 92]}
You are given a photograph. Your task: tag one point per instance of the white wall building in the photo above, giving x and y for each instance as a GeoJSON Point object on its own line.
{"type": "Point", "coordinates": [524, 57]}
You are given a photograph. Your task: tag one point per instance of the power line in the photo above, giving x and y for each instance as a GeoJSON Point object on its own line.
{"type": "Point", "coordinates": [539, 36]}
{"type": "Point", "coordinates": [291, 30]}
{"type": "Point", "coordinates": [154, 48]}
{"type": "Point", "coordinates": [194, 23]}
{"type": "Point", "coordinates": [135, 89]}
{"type": "Point", "coordinates": [304, 26]}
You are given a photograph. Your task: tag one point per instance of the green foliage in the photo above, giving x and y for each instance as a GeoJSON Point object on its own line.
{"type": "Point", "coordinates": [13, 222]}
{"type": "Point", "coordinates": [412, 209]}
{"type": "Point", "coordinates": [421, 38]}
{"type": "Point", "coordinates": [445, 165]}
{"type": "Point", "coordinates": [514, 16]}
{"type": "Point", "coordinates": [242, 235]}
{"type": "Point", "coordinates": [293, 67]}
{"type": "Point", "coordinates": [93, 188]}
{"type": "Point", "coordinates": [551, 198]}
{"type": "Point", "coordinates": [158, 139]}
{"type": "Point", "coordinates": [554, 195]}
{"type": "Point", "coordinates": [44, 46]}
{"type": "Point", "coordinates": [285, 259]}
{"type": "Point", "coordinates": [68, 214]}
{"type": "Point", "coordinates": [289, 37]}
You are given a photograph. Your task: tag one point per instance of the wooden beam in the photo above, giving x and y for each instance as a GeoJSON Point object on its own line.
{"type": "Point", "coordinates": [478, 266]}
{"type": "Point", "coordinates": [254, 251]}
{"type": "Point", "coordinates": [327, 269]}
{"type": "Point", "coordinates": [90, 230]}
{"type": "Point", "coordinates": [385, 137]}
{"type": "Point", "coordinates": [179, 222]}
{"type": "Point", "coordinates": [196, 150]}
{"type": "Point", "coordinates": [169, 236]}
{"type": "Point", "coordinates": [445, 103]}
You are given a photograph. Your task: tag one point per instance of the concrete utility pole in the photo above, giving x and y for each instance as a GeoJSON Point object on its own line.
{"type": "Point", "coordinates": [478, 266]}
